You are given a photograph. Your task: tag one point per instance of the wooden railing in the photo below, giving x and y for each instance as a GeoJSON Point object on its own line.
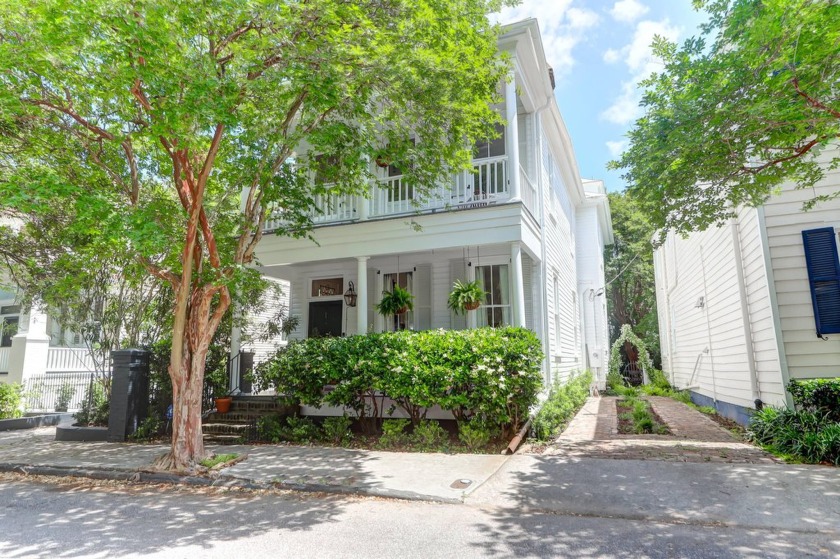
{"type": "Point", "coordinates": [69, 359]}
{"type": "Point", "coordinates": [487, 183]}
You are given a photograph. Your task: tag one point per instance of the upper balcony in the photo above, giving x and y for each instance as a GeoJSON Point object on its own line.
{"type": "Point", "coordinates": [489, 183]}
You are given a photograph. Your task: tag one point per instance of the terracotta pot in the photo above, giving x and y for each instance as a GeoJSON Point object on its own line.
{"type": "Point", "coordinates": [472, 306]}
{"type": "Point", "coordinates": [382, 161]}
{"type": "Point", "coordinates": [223, 404]}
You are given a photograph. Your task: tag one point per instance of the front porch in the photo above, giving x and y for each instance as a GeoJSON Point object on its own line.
{"type": "Point", "coordinates": [318, 290]}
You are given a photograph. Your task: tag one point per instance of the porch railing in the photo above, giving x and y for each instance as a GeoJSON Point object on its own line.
{"type": "Point", "coordinates": [69, 359]}
{"type": "Point", "coordinates": [5, 352]}
{"type": "Point", "coordinates": [488, 182]}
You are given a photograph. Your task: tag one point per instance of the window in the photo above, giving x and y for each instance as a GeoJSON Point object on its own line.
{"type": "Point", "coordinates": [8, 327]}
{"type": "Point", "coordinates": [491, 148]}
{"type": "Point", "coordinates": [556, 314]}
{"type": "Point", "coordinates": [496, 309]}
{"type": "Point", "coordinates": [404, 321]}
{"type": "Point", "coordinates": [823, 266]}
{"type": "Point", "coordinates": [329, 287]}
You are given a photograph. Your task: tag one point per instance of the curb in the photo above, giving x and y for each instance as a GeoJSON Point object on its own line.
{"type": "Point", "coordinates": [137, 476]}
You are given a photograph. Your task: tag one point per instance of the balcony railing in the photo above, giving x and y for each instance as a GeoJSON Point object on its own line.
{"type": "Point", "coordinates": [69, 359]}
{"type": "Point", "coordinates": [488, 183]}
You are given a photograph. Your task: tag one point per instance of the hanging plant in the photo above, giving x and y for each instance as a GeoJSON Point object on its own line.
{"type": "Point", "coordinates": [383, 160]}
{"type": "Point", "coordinates": [466, 296]}
{"type": "Point", "coordinates": [396, 301]}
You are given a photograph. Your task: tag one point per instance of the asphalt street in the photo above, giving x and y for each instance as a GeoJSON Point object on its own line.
{"type": "Point", "coordinates": [80, 518]}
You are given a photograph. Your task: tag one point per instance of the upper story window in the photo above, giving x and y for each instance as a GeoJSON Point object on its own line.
{"type": "Point", "coordinates": [491, 148]}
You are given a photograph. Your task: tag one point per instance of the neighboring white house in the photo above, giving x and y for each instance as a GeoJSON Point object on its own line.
{"type": "Point", "coordinates": [742, 310]}
{"type": "Point", "coordinates": [523, 222]}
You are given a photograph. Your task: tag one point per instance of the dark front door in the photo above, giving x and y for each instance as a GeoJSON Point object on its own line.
{"type": "Point", "coordinates": [325, 318]}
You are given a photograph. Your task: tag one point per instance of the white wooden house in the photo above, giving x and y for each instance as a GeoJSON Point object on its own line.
{"type": "Point", "coordinates": [523, 222]}
{"type": "Point", "coordinates": [742, 310]}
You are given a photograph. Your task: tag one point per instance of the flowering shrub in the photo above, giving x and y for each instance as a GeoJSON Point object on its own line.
{"type": "Point", "coordinates": [493, 375]}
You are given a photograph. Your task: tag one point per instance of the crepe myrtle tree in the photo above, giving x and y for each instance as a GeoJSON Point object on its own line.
{"type": "Point", "coordinates": [171, 129]}
{"type": "Point", "coordinates": [737, 111]}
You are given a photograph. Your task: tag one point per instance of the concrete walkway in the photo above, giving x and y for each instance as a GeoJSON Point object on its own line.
{"type": "Point", "coordinates": [593, 433]}
{"type": "Point", "coordinates": [432, 477]}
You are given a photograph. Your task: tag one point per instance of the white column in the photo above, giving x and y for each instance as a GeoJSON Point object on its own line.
{"type": "Point", "coordinates": [30, 347]}
{"type": "Point", "coordinates": [518, 285]}
{"type": "Point", "coordinates": [512, 138]}
{"type": "Point", "coordinates": [362, 294]}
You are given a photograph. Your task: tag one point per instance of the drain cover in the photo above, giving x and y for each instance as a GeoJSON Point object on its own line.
{"type": "Point", "coordinates": [461, 483]}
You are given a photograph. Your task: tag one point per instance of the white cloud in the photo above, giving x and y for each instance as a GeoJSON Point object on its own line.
{"type": "Point", "coordinates": [563, 26]}
{"type": "Point", "coordinates": [641, 63]}
{"type": "Point", "coordinates": [612, 56]}
{"type": "Point", "coordinates": [628, 11]}
{"type": "Point", "coordinates": [615, 148]}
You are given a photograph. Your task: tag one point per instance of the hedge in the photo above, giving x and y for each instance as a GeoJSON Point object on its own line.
{"type": "Point", "coordinates": [563, 402]}
{"type": "Point", "coordinates": [492, 375]}
{"type": "Point", "coordinates": [821, 396]}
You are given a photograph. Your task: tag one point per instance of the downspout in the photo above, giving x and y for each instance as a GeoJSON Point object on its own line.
{"type": "Point", "coordinates": [745, 310]}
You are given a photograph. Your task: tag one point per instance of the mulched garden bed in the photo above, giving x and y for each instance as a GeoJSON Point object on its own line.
{"type": "Point", "coordinates": [626, 426]}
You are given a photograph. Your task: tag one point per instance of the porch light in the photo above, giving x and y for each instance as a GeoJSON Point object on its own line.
{"type": "Point", "coordinates": [350, 295]}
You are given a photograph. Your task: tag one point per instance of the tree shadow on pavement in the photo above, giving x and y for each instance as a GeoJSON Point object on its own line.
{"type": "Point", "coordinates": [660, 509]}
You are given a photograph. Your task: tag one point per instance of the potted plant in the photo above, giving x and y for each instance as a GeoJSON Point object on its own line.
{"type": "Point", "coordinates": [223, 401]}
{"type": "Point", "coordinates": [466, 296]}
{"type": "Point", "coordinates": [396, 301]}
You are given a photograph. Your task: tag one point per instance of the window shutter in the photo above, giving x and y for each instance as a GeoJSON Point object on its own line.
{"type": "Point", "coordinates": [824, 278]}
{"type": "Point", "coordinates": [423, 297]}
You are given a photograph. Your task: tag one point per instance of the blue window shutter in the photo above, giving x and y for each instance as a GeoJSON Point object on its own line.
{"type": "Point", "coordinates": [824, 277]}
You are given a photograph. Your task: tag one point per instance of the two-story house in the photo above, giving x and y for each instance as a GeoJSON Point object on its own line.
{"type": "Point", "coordinates": [523, 222]}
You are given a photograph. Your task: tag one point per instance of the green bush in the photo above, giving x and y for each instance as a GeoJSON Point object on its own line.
{"type": "Point", "coordinates": [270, 428]}
{"type": "Point", "coordinates": [337, 429]}
{"type": "Point", "coordinates": [817, 395]}
{"type": "Point", "coordinates": [95, 407]}
{"type": "Point", "coordinates": [474, 435]}
{"type": "Point", "coordinates": [10, 401]}
{"type": "Point", "coordinates": [429, 435]}
{"type": "Point", "coordinates": [150, 428]}
{"type": "Point", "coordinates": [490, 374]}
{"type": "Point", "coordinates": [683, 396]}
{"type": "Point", "coordinates": [658, 379]}
{"type": "Point", "coordinates": [65, 395]}
{"type": "Point", "coordinates": [301, 430]}
{"type": "Point", "coordinates": [563, 402]}
{"type": "Point", "coordinates": [393, 433]}
{"type": "Point", "coordinates": [806, 435]}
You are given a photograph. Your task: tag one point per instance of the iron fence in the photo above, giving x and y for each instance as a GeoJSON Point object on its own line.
{"type": "Point", "coordinates": [59, 391]}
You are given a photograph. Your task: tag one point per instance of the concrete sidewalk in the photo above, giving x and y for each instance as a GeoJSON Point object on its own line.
{"type": "Point", "coordinates": [432, 477]}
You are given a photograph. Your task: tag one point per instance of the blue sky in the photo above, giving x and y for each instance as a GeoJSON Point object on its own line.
{"type": "Point", "coordinates": [600, 49]}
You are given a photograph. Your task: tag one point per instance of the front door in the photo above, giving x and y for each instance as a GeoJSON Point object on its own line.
{"type": "Point", "coordinates": [325, 318]}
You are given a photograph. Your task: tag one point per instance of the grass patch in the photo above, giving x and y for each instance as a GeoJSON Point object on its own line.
{"type": "Point", "coordinates": [217, 459]}
{"type": "Point", "coordinates": [635, 416]}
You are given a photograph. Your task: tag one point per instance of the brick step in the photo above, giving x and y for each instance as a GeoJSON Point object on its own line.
{"type": "Point", "coordinates": [225, 428]}
{"type": "Point", "coordinates": [214, 438]}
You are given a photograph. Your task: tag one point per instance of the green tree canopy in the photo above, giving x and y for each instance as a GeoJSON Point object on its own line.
{"type": "Point", "coordinates": [137, 126]}
{"type": "Point", "coordinates": [628, 267]}
{"type": "Point", "coordinates": [737, 111]}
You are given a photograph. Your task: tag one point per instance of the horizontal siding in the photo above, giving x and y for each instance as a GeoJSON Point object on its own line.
{"type": "Point", "coordinates": [806, 355]}
{"type": "Point", "coordinates": [711, 343]}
